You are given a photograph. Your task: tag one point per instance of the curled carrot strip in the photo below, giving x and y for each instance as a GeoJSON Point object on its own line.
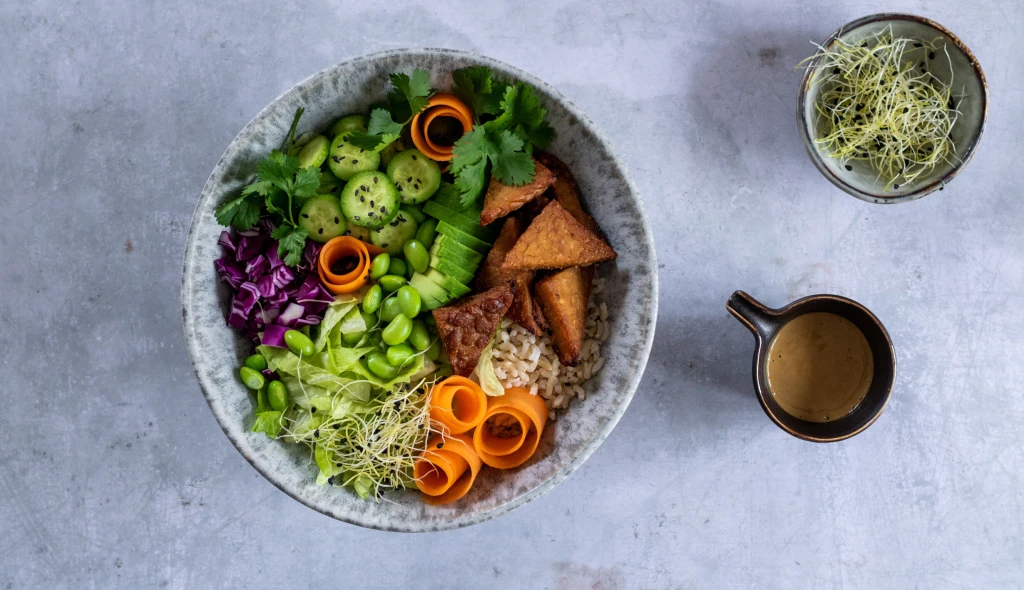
{"type": "Point", "coordinates": [458, 403]}
{"type": "Point", "coordinates": [516, 407]}
{"type": "Point", "coordinates": [440, 472]}
{"type": "Point", "coordinates": [338, 249]}
{"type": "Point", "coordinates": [440, 105]}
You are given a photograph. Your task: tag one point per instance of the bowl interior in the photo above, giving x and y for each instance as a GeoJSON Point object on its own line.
{"type": "Point", "coordinates": [955, 66]}
{"type": "Point", "coordinates": [630, 294]}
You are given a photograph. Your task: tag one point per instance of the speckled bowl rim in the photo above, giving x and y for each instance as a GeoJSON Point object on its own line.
{"type": "Point", "coordinates": [587, 450]}
{"type": "Point", "coordinates": [815, 153]}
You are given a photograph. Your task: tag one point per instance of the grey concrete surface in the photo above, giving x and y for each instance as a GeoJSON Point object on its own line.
{"type": "Point", "coordinates": [113, 472]}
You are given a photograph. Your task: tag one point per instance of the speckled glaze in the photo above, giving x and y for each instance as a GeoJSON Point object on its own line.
{"type": "Point", "coordinates": [631, 294]}
{"type": "Point", "coordinates": [968, 83]}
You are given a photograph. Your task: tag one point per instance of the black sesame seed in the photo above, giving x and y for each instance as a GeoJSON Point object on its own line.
{"type": "Point", "coordinates": [362, 199]}
{"type": "Point", "coordinates": [918, 45]}
{"type": "Point", "coordinates": [365, 188]}
{"type": "Point", "coordinates": [440, 445]}
{"type": "Point", "coordinates": [371, 203]}
{"type": "Point", "coordinates": [336, 159]}
{"type": "Point", "coordinates": [399, 187]}
{"type": "Point", "coordinates": [316, 432]}
{"type": "Point", "coordinates": [906, 109]}
{"type": "Point", "coordinates": [337, 426]}
{"type": "Point", "coordinates": [895, 186]}
{"type": "Point", "coordinates": [931, 55]}
{"type": "Point", "coordinates": [374, 180]}
{"type": "Point", "coordinates": [312, 410]}
{"type": "Point", "coordinates": [336, 220]}
{"type": "Point", "coordinates": [355, 161]}
{"type": "Point", "coordinates": [338, 464]}
{"type": "Point", "coordinates": [409, 179]}
{"type": "Point", "coordinates": [413, 156]}
{"type": "Point", "coordinates": [361, 150]}
{"type": "Point", "coordinates": [384, 245]}
{"type": "Point", "coordinates": [357, 218]}
{"type": "Point", "coordinates": [849, 168]}
{"type": "Point", "coordinates": [330, 480]}
{"type": "Point", "coordinates": [305, 215]}
{"type": "Point", "coordinates": [421, 427]}
{"type": "Point", "coordinates": [382, 209]}
{"type": "Point", "coordinates": [320, 231]}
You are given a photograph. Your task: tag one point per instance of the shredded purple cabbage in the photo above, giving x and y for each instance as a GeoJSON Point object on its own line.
{"type": "Point", "coordinates": [267, 295]}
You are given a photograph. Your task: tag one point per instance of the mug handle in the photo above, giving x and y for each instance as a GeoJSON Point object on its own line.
{"type": "Point", "coordinates": [756, 317]}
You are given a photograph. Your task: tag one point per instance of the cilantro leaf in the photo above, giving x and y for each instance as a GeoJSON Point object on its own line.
{"type": "Point", "coordinates": [523, 113]}
{"type": "Point", "coordinates": [469, 163]}
{"type": "Point", "coordinates": [381, 131]}
{"type": "Point", "coordinates": [291, 242]}
{"type": "Point", "coordinates": [415, 89]}
{"type": "Point", "coordinates": [277, 168]}
{"type": "Point", "coordinates": [307, 181]}
{"type": "Point", "coordinates": [510, 163]}
{"type": "Point", "coordinates": [477, 87]}
{"type": "Point", "coordinates": [241, 212]}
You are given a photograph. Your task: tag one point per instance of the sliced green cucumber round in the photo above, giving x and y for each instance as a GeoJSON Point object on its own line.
{"type": "Point", "coordinates": [392, 150]}
{"type": "Point", "coordinates": [370, 199]}
{"type": "Point", "coordinates": [416, 176]}
{"type": "Point", "coordinates": [346, 159]}
{"type": "Point", "coordinates": [346, 124]}
{"type": "Point", "coordinates": [330, 184]}
{"type": "Point", "coordinates": [322, 218]}
{"type": "Point", "coordinates": [313, 154]}
{"type": "Point", "coordinates": [393, 236]}
{"type": "Point", "coordinates": [358, 232]}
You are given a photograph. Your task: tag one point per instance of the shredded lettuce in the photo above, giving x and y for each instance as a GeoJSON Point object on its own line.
{"type": "Point", "coordinates": [268, 422]}
{"type": "Point", "coordinates": [336, 313]}
{"type": "Point", "coordinates": [485, 371]}
{"type": "Point", "coordinates": [284, 361]}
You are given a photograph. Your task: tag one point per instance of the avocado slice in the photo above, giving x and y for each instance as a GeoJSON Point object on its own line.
{"type": "Point", "coordinates": [432, 294]}
{"type": "Point", "coordinates": [448, 248]}
{"type": "Point", "coordinates": [449, 231]}
{"type": "Point", "coordinates": [453, 270]}
{"type": "Point", "coordinates": [456, 288]}
{"type": "Point", "coordinates": [458, 221]}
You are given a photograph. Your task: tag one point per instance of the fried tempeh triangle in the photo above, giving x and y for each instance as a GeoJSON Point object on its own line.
{"type": "Point", "coordinates": [467, 326]}
{"type": "Point", "coordinates": [564, 191]}
{"type": "Point", "coordinates": [556, 240]}
{"type": "Point", "coordinates": [564, 297]}
{"type": "Point", "coordinates": [502, 199]}
{"type": "Point", "coordinates": [491, 275]}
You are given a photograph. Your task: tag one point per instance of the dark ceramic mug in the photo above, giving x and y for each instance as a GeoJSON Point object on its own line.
{"type": "Point", "coordinates": [766, 323]}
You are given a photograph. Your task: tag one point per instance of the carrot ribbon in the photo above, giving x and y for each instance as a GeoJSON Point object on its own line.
{"type": "Point", "coordinates": [440, 105]}
{"type": "Point", "coordinates": [341, 248]}
{"type": "Point", "coordinates": [440, 472]}
{"type": "Point", "coordinates": [458, 403]}
{"type": "Point", "coordinates": [522, 417]}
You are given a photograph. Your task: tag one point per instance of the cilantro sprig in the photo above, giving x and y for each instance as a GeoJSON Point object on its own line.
{"type": "Point", "coordinates": [503, 144]}
{"type": "Point", "coordinates": [408, 96]}
{"type": "Point", "coordinates": [281, 186]}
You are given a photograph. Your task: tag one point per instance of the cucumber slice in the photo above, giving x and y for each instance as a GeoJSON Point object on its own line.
{"type": "Point", "coordinates": [330, 184]}
{"type": "Point", "coordinates": [370, 199]}
{"type": "Point", "coordinates": [390, 152]}
{"type": "Point", "coordinates": [448, 245]}
{"type": "Point", "coordinates": [313, 154]}
{"type": "Point", "coordinates": [449, 231]}
{"type": "Point", "coordinates": [458, 220]}
{"type": "Point", "coordinates": [458, 258]}
{"type": "Point", "coordinates": [456, 288]}
{"type": "Point", "coordinates": [429, 291]}
{"type": "Point", "coordinates": [346, 124]}
{"type": "Point", "coordinates": [357, 232]}
{"type": "Point", "coordinates": [416, 176]}
{"type": "Point", "coordinates": [393, 236]}
{"type": "Point", "coordinates": [346, 160]}
{"type": "Point", "coordinates": [453, 270]}
{"type": "Point", "coordinates": [322, 218]}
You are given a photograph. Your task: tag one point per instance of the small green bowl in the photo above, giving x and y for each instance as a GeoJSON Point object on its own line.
{"type": "Point", "coordinates": [859, 178]}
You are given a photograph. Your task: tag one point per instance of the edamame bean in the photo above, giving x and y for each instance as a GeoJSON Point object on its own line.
{"type": "Point", "coordinates": [391, 282]}
{"type": "Point", "coordinates": [399, 354]}
{"type": "Point", "coordinates": [256, 362]}
{"type": "Point", "coordinates": [299, 343]}
{"type": "Point", "coordinates": [379, 266]}
{"type": "Point", "coordinates": [370, 319]}
{"type": "Point", "coordinates": [277, 395]}
{"type": "Point", "coordinates": [419, 337]}
{"type": "Point", "coordinates": [416, 212]}
{"type": "Point", "coordinates": [409, 301]}
{"type": "Point", "coordinates": [372, 299]}
{"type": "Point", "coordinates": [252, 378]}
{"type": "Point", "coordinates": [398, 267]}
{"type": "Point", "coordinates": [261, 401]}
{"type": "Point", "coordinates": [378, 364]}
{"type": "Point", "coordinates": [417, 256]}
{"type": "Point", "coordinates": [397, 331]}
{"type": "Point", "coordinates": [427, 232]}
{"type": "Point", "coordinates": [352, 338]}
{"type": "Point", "coordinates": [434, 352]}
{"type": "Point", "coordinates": [390, 309]}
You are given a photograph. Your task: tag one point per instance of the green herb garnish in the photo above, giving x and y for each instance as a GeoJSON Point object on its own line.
{"type": "Point", "coordinates": [408, 96]}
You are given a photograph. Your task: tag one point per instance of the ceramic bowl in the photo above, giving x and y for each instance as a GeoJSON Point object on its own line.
{"type": "Point", "coordinates": [631, 294]}
{"type": "Point", "coordinates": [969, 87]}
